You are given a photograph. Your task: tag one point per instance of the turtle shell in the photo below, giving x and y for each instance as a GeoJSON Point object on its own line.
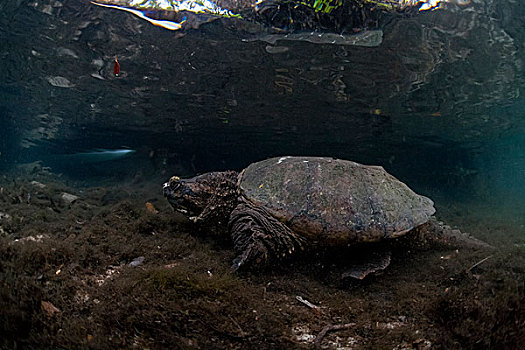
{"type": "Point", "coordinates": [334, 201]}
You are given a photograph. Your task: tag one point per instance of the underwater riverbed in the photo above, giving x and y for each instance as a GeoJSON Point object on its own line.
{"type": "Point", "coordinates": [93, 256]}
{"type": "Point", "coordinates": [111, 266]}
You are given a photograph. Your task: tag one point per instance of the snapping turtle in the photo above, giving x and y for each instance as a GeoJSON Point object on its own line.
{"type": "Point", "coordinates": [281, 205]}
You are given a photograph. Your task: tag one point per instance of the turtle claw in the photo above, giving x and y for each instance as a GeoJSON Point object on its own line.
{"type": "Point", "coordinates": [254, 256]}
{"type": "Point", "coordinates": [237, 262]}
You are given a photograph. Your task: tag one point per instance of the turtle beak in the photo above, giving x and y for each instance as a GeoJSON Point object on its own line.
{"type": "Point", "coordinates": [166, 190]}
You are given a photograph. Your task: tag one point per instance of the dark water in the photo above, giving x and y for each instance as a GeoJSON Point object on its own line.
{"type": "Point", "coordinates": [439, 103]}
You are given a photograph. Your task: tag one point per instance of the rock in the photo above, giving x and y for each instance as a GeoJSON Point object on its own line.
{"type": "Point", "coordinates": [101, 279]}
{"type": "Point", "coordinates": [97, 76]}
{"type": "Point", "coordinates": [68, 198]}
{"type": "Point", "coordinates": [37, 239]}
{"type": "Point", "coordinates": [276, 49]}
{"type": "Point", "coordinates": [62, 51]}
{"type": "Point", "coordinates": [60, 82]}
{"type": "Point", "coordinates": [37, 184]}
{"type": "Point", "coordinates": [137, 261]}
{"type": "Point", "coordinates": [5, 217]}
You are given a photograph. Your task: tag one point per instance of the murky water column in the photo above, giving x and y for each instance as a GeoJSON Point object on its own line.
{"type": "Point", "coordinates": [423, 102]}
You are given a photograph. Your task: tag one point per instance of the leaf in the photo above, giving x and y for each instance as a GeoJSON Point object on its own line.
{"type": "Point", "coordinates": [48, 308]}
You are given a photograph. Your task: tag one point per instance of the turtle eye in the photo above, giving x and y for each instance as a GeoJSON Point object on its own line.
{"type": "Point", "coordinates": [175, 183]}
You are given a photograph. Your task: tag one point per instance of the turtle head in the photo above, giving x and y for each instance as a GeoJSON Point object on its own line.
{"type": "Point", "coordinates": [216, 192]}
{"type": "Point", "coordinates": [187, 196]}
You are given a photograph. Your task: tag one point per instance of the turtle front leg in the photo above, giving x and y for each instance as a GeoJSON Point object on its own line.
{"type": "Point", "coordinates": [259, 237]}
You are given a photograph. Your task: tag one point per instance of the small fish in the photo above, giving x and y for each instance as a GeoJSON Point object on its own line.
{"type": "Point", "coordinates": [116, 68]}
{"type": "Point", "coordinates": [164, 24]}
{"type": "Point", "coordinates": [101, 155]}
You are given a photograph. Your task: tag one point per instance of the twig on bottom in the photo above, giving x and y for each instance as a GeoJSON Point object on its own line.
{"type": "Point", "coordinates": [238, 326]}
{"type": "Point", "coordinates": [479, 262]}
{"type": "Point", "coordinates": [306, 302]}
{"type": "Point", "coordinates": [329, 328]}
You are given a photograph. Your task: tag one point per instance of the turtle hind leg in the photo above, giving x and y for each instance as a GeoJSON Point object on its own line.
{"type": "Point", "coordinates": [259, 238]}
{"type": "Point", "coordinates": [375, 261]}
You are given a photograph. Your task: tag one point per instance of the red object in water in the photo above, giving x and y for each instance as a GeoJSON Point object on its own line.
{"type": "Point", "coordinates": [116, 68]}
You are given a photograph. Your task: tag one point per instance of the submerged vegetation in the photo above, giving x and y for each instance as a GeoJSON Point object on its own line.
{"type": "Point", "coordinates": [103, 271]}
